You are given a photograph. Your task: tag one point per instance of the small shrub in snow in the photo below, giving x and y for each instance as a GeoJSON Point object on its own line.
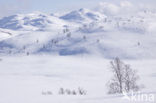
{"type": "Point", "coordinates": [74, 92]}
{"type": "Point", "coordinates": [69, 35]}
{"type": "Point", "coordinates": [28, 53]}
{"type": "Point", "coordinates": [61, 91]}
{"type": "Point", "coordinates": [84, 37]}
{"type": "Point", "coordinates": [78, 91]}
{"type": "Point", "coordinates": [97, 40]}
{"type": "Point", "coordinates": [68, 91]}
{"type": "Point", "coordinates": [81, 91]}
{"type": "Point", "coordinates": [37, 41]}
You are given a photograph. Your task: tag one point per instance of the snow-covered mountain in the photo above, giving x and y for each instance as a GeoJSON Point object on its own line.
{"type": "Point", "coordinates": [31, 22]}
{"type": "Point", "coordinates": [83, 15]}
{"type": "Point", "coordinates": [81, 31]}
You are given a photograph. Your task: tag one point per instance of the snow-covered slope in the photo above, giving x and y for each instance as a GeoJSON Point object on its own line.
{"type": "Point", "coordinates": [106, 44]}
{"type": "Point", "coordinates": [6, 33]}
{"type": "Point", "coordinates": [82, 31]}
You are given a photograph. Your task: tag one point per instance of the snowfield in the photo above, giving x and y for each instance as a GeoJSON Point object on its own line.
{"type": "Point", "coordinates": [28, 79]}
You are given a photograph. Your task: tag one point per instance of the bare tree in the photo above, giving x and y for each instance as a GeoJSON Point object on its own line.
{"type": "Point", "coordinates": [69, 35]}
{"type": "Point", "coordinates": [37, 41]}
{"type": "Point", "coordinates": [124, 78]}
{"type": "Point", "coordinates": [116, 84]}
{"type": "Point", "coordinates": [84, 37]}
{"type": "Point", "coordinates": [130, 79]}
{"type": "Point", "coordinates": [98, 40]}
{"type": "Point", "coordinates": [28, 53]}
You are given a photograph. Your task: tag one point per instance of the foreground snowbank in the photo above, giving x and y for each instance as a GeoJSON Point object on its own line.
{"type": "Point", "coordinates": [27, 79]}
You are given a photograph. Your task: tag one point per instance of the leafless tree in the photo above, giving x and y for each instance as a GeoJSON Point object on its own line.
{"type": "Point", "coordinates": [130, 79]}
{"type": "Point", "coordinates": [124, 78]}
{"type": "Point", "coordinates": [69, 35]}
{"type": "Point", "coordinates": [84, 37]}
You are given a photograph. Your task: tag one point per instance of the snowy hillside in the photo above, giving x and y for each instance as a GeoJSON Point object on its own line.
{"type": "Point", "coordinates": [107, 31]}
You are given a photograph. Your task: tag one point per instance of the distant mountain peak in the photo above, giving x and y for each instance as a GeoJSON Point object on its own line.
{"type": "Point", "coordinates": [82, 15]}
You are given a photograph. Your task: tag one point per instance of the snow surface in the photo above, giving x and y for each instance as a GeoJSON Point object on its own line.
{"type": "Point", "coordinates": [24, 79]}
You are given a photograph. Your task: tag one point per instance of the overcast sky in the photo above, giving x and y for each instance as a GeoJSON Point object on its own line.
{"type": "Point", "coordinates": [9, 7]}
